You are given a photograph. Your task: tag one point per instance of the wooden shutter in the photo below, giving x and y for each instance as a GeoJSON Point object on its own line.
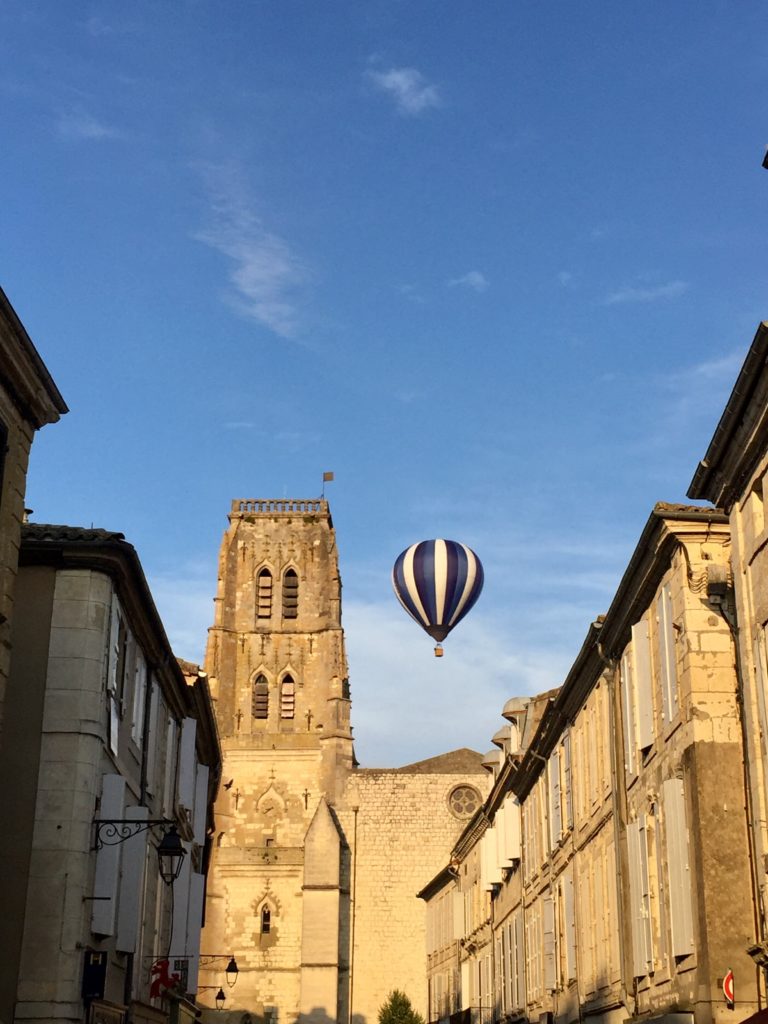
{"type": "Point", "coordinates": [187, 763]}
{"type": "Point", "coordinates": [641, 649]}
{"type": "Point", "coordinates": [640, 951]}
{"type": "Point", "coordinates": [678, 861]}
{"type": "Point", "coordinates": [550, 975]}
{"type": "Point", "coordinates": [106, 875]}
{"type": "Point", "coordinates": [628, 712]}
{"type": "Point", "coordinates": [667, 655]}
{"type": "Point", "coordinates": [134, 857]}
{"type": "Point", "coordinates": [570, 926]}
{"type": "Point", "coordinates": [567, 784]}
{"type": "Point", "coordinates": [555, 808]}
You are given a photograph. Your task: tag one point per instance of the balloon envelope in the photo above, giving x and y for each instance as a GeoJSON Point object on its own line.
{"type": "Point", "coordinates": [437, 582]}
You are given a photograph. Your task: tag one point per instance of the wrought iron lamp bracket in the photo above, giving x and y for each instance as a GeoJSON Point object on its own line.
{"type": "Point", "coordinates": [112, 831]}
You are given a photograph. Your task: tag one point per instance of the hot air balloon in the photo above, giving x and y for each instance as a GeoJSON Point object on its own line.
{"type": "Point", "coordinates": [437, 582]}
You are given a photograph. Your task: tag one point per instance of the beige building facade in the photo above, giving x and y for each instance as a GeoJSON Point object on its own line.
{"type": "Point", "coordinates": [316, 861]}
{"type": "Point", "coordinates": [613, 850]}
{"type": "Point", "coordinates": [105, 735]}
{"type": "Point", "coordinates": [29, 399]}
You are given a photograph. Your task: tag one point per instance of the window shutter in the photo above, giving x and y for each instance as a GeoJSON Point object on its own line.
{"type": "Point", "coordinates": [201, 803]}
{"type": "Point", "coordinates": [645, 886]}
{"type": "Point", "coordinates": [676, 828]}
{"type": "Point", "coordinates": [639, 956]}
{"type": "Point", "coordinates": [458, 915]}
{"type": "Point", "coordinates": [519, 962]}
{"type": "Point", "coordinates": [570, 927]}
{"type": "Point", "coordinates": [139, 697]}
{"type": "Point", "coordinates": [512, 828]}
{"type": "Point", "coordinates": [181, 889]}
{"type": "Point", "coordinates": [667, 655]}
{"type": "Point", "coordinates": [628, 712]}
{"type": "Point", "coordinates": [641, 649]}
{"type": "Point", "coordinates": [549, 944]}
{"type": "Point", "coordinates": [105, 879]}
{"type": "Point", "coordinates": [186, 785]}
{"type": "Point", "coordinates": [134, 856]}
{"type": "Point", "coordinates": [567, 781]}
{"type": "Point", "coordinates": [555, 810]}
{"type": "Point", "coordinates": [154, 718]}
{"type": "Point", "coordinates": [169, 784]}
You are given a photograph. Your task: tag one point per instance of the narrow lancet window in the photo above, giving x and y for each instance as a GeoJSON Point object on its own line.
{"type": "Point", "coordinates": [290, 594]}
{"type": "Point", "coordinates": [260, 698]}
{"type": "Point", "coordinates": [264, 594]}
{"type": "Point", "coordinates": [287, 697]}
{"type": "Point", "coordinates": [266, 920]}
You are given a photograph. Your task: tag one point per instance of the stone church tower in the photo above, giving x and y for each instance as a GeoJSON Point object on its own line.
{"type": "Point", "coordinates": [278, 672]}
{"type": "Point", "coordinates": [315, 862]}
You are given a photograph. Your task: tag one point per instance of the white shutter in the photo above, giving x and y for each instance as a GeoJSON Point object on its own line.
{"type": "Point", "coordinates": [139, 697]}
{"type": "Point", "coordinates": [201, 803]}
{"type": "Point", "coordinates": [555, 813]}
{"type": "Point", "coordinates": [519, 962]}
{"type": "Point", "coordinates": [641, 650]}
{"type": "Point", "coordinates": [458, 915]}
{"type": "Point", "coordinates": [154, 718]}
{"type": "Point", "coordinates": [639, 955]}
{"type": "Point", "coordinates": [181, 907]}
{"type": "Point", "coordinates": [501, 836]}
{"type": "Point", "coordinates": [194, 927]}
{"type": "Point", "coordinates": [134, 855]}
{"type": "Point", "coordinates": [567, 785]}
{"type": "Point", "coordinates": [645, 885]}
{"type": "Point", "coordinates": [667, 655]}
{"type": "Point", "coordinates": [512, 828]}
{"type": "Point", "coordinates": [114, 632]}
{"type": "Point", "coordinates": [549, 944]}
{"type": "Point", "coordinates": [186, 786]}
{"type": "Point", "coordinates": [680, 892]}
{"type": "Point", "coordinates": [171, 765]}
{"type": "Point", "coordinates": [570, 926]}
{"type": "Point", "coordinates": [628, 712]}
{"type": "Point", "coordinates": [107, 872]}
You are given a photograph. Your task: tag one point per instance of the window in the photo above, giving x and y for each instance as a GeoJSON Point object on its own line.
{"type": "Point", "coordinates": [260, 697]}
{"type": "Point", "coordinates": [464, 801]}
{"type": "Point", "coordinates": [287, 697]}
{"type": "Point", "coordinates": [264, 594]}
{"type": "Point", "coordinates": [266, 920]}
{"type": "Point", "coordinates": [290, 594]}
{"type": "Point", "coordinates": [667, 655]}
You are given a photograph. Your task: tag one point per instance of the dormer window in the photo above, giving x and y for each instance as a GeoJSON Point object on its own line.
{"type": "Point", "coordinates": [260, 698]}
{"type": "Point", "coordinates": [264, 594]}
{"type": "Point", "coordinates": [287, 697]}
{"type": "Point", "coordinates": [290, 594]}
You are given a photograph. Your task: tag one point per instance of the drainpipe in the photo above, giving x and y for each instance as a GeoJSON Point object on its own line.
{"type": "Point", "coordinates": [353, 900]}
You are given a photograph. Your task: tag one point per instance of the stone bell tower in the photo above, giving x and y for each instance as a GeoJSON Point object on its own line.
{"type": "Point", "coordinates": [278, 674]}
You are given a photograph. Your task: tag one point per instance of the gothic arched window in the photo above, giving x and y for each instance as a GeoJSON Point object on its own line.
{"type": "Point", "coordinates": [290, 594]}
{"type": "Point", "coordinates": [287, 697]}
{"type": "Point", "coordinates": [266, 920]}
{"type": "Point", "coordinates": [260, 697]}
{"type": "Point", "coordinates": [264, 594]}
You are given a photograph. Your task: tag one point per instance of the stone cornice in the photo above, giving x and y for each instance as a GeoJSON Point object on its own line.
{"type": "Point", "coordinates": [24, 374]}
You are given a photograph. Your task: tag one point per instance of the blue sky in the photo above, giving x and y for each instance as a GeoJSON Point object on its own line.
{"type": "Point", "coordinates": [496, 265]}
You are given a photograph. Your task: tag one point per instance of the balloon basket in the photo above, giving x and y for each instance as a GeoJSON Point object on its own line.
{"type": "Point", "coordinates": [438, 651]}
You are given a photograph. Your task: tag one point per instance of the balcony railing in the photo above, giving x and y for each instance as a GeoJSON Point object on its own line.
{"type": "Point", "coordinates": [278, 506]}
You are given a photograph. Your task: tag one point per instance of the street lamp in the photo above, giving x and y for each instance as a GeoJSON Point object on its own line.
{"type": "Point", "coordinates": [170, 856]}
{"type": "Point", "coordinates": [220, 999]}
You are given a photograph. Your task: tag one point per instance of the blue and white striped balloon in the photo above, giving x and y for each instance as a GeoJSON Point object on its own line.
{"type": "Point", "coordinates": [437, 582]}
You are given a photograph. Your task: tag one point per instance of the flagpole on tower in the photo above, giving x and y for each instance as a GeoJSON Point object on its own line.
{"type": "Point", "coordinates": [327, 478]}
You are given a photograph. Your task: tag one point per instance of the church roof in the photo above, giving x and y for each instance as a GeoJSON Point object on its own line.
{"type": "Point", "coordinates": [455, 762]}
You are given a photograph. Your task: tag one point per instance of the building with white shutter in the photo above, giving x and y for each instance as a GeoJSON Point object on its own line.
{"type": "Point", "coordinates": [105, 732]}
{"type": "Point", "coordinates": [608, 876]}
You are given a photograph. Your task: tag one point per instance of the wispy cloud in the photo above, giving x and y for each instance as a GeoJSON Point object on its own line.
{"type": "Point", "coordinates": [632, 293]}
{"type": "Point", "coordinates": [265, 272]}
{"type": "Point", "coordinates": [472, 279]}
{"type": "Point", "coordinates": [79, 124]}
{"type": "Point", "coordinates": [411, 91]}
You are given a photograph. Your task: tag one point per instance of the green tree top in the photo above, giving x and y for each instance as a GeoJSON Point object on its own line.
{"type": "Point", "coordinates": [397, 1009]}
